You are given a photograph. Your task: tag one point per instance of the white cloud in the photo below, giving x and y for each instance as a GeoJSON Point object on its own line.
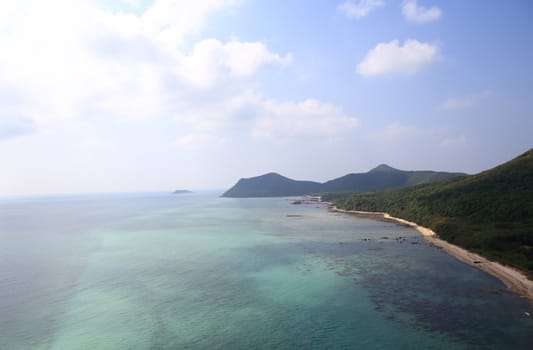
{"type": "Point", "coordinates": [280, 120]}
{"type": "Point", "coordinates": [269, 119]}
{"type": "Point", "coordinates": [211, 60]}
{"type": "Point", "coordinates": [200, 140]}
{"type": "Point", "coordinates": [72, 59]}
{"type": "Point", "coordinates": [170, 20]}
{"type": "Point", "coordinates": [395, 131]}
{"type": "Point", "coordinates": [413, 12]}
{"type": "Point", "coordinates": [392, 58]}
{"type": "Point", "coordinates": [360, 8]}
{"type": "Point", "coordinates": [464, 102]}
{"type": "Point", "coordinates": [133, 3]}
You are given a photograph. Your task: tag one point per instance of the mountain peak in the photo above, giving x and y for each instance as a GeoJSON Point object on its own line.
{"type": "Point", "coordinates": [272, 174]}
{"type": "Point", "coordinates": [271, 185]}
{"type": "Point", "coordinates": [384, 168]}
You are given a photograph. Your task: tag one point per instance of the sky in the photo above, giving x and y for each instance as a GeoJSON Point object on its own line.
{"type": "Point", "coordinates": [138, 95]}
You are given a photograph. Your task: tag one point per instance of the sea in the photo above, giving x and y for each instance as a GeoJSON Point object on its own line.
{"type": "Point", "coordinates": [197, 271]}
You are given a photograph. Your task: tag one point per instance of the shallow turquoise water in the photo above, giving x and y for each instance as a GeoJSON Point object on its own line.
{"type": "Point", "coordinates": [156, 271]}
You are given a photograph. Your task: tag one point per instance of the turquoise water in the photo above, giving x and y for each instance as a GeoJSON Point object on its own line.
{"type": "Point", "coordinates": [157, 271]}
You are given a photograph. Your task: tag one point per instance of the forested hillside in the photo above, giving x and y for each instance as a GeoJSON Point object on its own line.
{"type": "Point", "coordinates": [490, 213]}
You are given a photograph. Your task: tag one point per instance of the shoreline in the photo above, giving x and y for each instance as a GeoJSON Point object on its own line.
{"type": "Point", "coordinates": [515, 280]}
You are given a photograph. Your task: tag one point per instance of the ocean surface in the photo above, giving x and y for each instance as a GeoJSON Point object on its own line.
{"type": "Point", "coordinates": [195, 271]}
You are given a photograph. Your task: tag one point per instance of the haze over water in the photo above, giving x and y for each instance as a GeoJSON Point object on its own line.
{"type": "Point", "coordinates": [156, 271]}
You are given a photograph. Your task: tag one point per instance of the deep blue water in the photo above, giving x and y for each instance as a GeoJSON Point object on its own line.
{"type": "Point", "coordinates": [161, 271]}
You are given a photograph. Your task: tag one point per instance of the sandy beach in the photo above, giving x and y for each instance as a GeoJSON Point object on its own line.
{"type": "Point", "coordinates": [515, 280]}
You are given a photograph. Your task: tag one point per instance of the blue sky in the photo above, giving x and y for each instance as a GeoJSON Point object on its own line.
{"type": "Point", "coordinates": [134, 95]}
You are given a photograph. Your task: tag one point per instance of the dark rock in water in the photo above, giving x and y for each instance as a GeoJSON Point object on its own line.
{"type": "Point", "coordinates": [181, 192]}
{"type": "Point", "coordinates": [297, 202]}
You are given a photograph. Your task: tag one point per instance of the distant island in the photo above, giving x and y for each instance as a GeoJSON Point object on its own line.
{"type": "Point", "coordinates": [382, 177]}
{"type": "Point", "coordinates": [490, 213]}
{"type": "Point", "coordinates": [181, 192]}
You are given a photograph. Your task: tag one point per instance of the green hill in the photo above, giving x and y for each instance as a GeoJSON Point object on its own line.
{"type": "Point", "coordinates": [271, 185]}
{"type": "Point", "coordinates": [380, 178]}
{"type": "Point", "coordinates": [384, 177]}
{"type": "Point", "coordinates": [490, 213]}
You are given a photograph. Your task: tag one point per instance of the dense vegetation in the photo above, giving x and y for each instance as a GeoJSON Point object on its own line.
{"type": "Point", "coordinates": [490, 213]}
{"type": "Point", "coordinates": [380, 178]}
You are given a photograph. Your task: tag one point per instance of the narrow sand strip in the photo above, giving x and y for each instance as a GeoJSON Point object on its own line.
{"type": "Point", "coordinates": [515, 280]}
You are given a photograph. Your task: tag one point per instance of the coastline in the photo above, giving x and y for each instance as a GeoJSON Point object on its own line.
{"type": "Point", "coordinates": [515, 280]}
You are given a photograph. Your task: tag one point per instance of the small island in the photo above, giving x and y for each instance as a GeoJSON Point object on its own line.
{"type": "Point", "coordinates": [181, 192]}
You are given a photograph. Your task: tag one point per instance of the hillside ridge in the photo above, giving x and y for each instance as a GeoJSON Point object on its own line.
{"type": "Point", "coordinates": [380, 178]}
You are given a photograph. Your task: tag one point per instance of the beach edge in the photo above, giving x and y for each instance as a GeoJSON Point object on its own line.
{"type": "Point", "coordinates": [515, 280]}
